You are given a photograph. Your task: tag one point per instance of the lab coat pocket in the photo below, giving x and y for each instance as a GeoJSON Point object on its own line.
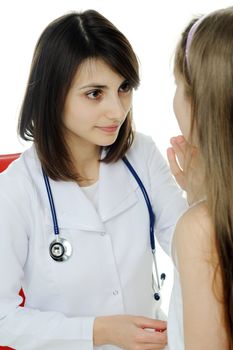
{"type": "Point", "coordinates": [86, 267]}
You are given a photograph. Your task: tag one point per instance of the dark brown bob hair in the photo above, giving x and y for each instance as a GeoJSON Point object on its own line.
{"type": "Point", "coordinates": [62, 47]}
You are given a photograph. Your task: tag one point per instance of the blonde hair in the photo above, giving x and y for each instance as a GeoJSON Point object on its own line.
{"type": "Point", "coordinates": [207, 70]}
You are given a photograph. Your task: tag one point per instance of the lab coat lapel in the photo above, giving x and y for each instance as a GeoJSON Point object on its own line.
{"type": "Point", "coordinates": [117, 189]}
{"type": "Point", "coordinates": [117, 193]}
{"type": "Point", "coordinates": [74, 209]}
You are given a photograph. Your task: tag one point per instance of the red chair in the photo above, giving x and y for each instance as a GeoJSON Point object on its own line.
{"type": "Point", "coordinates": [5, 160]}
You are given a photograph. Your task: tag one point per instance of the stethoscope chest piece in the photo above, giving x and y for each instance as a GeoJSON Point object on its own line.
{"type": "Point", "coordinates": [60, 249]}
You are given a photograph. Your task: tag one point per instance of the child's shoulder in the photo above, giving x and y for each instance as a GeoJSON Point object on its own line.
{"type": "Point", "coordinates": [197, 215]}
{"type": "Point", "coordinates": [194, 231]}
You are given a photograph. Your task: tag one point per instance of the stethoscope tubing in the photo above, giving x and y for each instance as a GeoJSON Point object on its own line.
{"type": "Point", "coordinates": [147, 200]}
{"type": "Point", "coordinates": [51, 203]}
{"type": "Point", "coordinates": [151, 216]}
{"type": "Point", "coordinates": [68, 250]}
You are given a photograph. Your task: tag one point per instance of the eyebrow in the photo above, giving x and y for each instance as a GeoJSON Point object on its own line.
{"type": "Point", "coordinates": [93, 85]}
{"type": "Point", "coordinates": [97, 86]}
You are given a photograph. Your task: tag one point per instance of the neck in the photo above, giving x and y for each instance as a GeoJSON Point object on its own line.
{"type": "Point", "coordinates": [82, 157]}
{"type": "Point", "coordinates": [85, 157]}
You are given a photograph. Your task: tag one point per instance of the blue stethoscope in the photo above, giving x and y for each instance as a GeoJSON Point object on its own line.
{"type": "Point", "coordinates": [61, 250]}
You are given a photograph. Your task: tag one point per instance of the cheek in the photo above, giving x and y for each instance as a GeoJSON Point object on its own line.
{"type": "Point", "coordinates": [182, 112]}
{"type": "Point", "coordinates": [78, 114]}
{"type": "Point", "coordinates": [176, 105]}
{"type": "Point", "coordinates": [187, 121]}
{"type": "Point", "coordinates": [127, 102]}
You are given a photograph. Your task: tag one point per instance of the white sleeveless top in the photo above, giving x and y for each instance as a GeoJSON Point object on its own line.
{"type": "Point", "coordinates": [175, 316]}
{"type": "Point", "coordinates": [175, 313]}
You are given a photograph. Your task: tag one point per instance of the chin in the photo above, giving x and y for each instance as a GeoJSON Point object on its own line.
{"type": "Point", "coordinates": [106, 144]}
{"type": "Point", "coordinates": [107, 141]}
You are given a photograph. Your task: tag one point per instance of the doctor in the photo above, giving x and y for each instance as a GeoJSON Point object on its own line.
{"type": "Point", "coordinates": [75, 230]}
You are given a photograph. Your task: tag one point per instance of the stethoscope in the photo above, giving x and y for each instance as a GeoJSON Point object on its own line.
{"type": "Point", "coordinates": [61, 250]}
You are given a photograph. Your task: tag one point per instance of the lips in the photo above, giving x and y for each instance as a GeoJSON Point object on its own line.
{"type": "Point", "coordinates": [110, 128]}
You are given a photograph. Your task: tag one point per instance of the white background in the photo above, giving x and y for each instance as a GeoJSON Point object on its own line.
{"type": "Point", "coordinates": [153, 28]}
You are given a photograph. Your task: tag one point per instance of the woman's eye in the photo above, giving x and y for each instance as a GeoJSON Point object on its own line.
{"type": "Point", "coordinates": [125, 87]}
{"type": "Point", "coordinates": [94, 95]}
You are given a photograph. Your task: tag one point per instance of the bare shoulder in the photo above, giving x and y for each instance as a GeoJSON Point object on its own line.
{"type": "Point", "coordinates": [194, 232]}
{"type": "Point", "coordinates": [196, 217]}
{"type": "Point", "coordinates": [200, 280]}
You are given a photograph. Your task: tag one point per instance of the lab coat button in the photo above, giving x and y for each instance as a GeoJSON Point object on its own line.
{"type": "Point", "coordinates": [115, 292]}
{"type": "Point", "coordinates": [102, 234]}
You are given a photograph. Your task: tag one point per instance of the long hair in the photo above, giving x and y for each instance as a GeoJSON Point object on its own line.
{"type": "Point", "coordinates": [208, 77]}
{"type": "Point", "coordinates": [61, 49]}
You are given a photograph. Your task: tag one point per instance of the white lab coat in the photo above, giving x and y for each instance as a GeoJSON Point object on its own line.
{"type": "Point", "coordinates": [110, 268]}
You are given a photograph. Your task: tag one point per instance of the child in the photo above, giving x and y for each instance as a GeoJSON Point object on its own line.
{"type": "Point", "coordinates": [201, 308]}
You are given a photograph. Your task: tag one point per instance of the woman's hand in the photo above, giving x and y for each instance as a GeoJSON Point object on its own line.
{"type": "Point", "coordinates": [186, 167]}
{"type": "Point", "coordinates": [176, 159]}
{"type": "Point", "coordinates": [130, 332]}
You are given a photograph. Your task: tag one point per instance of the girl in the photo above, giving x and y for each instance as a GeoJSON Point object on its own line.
{"type": "Point", "coordinates": [201, 309]}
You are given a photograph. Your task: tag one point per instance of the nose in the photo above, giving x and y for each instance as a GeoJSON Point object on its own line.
{"type": "Point", "coordinates": [116, 109]}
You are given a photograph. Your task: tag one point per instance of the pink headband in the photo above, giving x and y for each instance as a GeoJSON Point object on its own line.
{"type": "Point", "coordinates": [190, 38]}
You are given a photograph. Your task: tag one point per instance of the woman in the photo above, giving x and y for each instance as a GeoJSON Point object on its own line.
{"type": "Point", "coordinates": [91, 286]}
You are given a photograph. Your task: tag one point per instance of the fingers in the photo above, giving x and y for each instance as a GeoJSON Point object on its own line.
{"type": "Point", "coordinates": [171, 156]}
{"type": "Point", "coordinates": [180, 146]}
{"type": "Point", "coordinates": [149, 323]}
{"type": "Point", "coordinates": [153, 340]}
{"type": "Point", "coordinates": [154, 337]}
{"type": "Point", "coordinates": [130, 332]}
{"type": "Point", "coordinates": [179, 156]}
{"type": "Point", "coordinates": [176, 169]}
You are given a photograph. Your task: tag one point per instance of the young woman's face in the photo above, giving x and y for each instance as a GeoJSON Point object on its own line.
{"type": "Point", "coordinates": [182, 107]}
{"type": "Point", "coordinates": [96, 105]}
